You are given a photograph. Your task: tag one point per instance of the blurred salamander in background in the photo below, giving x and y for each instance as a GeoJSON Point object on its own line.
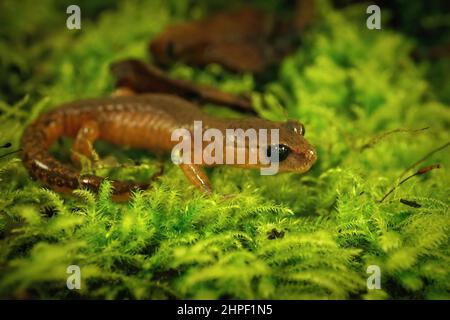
{"type": "Point", "coordinates": [246, 40]}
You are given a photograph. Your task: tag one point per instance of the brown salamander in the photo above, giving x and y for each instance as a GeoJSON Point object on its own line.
{"type": "Point", "coordinates": [243, 40]}
{"type": "Point", "coordinates": [142, 121]}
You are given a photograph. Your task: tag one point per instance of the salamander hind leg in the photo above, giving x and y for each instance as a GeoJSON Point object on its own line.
{"type": "Point", "coordinates": [83, 144]}
{"type": "Point", "coordinates": [197, 177]}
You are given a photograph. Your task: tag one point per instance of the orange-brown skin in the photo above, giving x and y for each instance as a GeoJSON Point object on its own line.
{"type": "Point", "coordinates": [244, 40]}
{"type": "Point", "coordinates": [141, 121]}
{"type": "Point", "coordinates": [233, 39]}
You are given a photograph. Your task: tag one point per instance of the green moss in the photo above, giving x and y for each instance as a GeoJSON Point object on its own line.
{"type": "Point", "coordinates": [285, 236]}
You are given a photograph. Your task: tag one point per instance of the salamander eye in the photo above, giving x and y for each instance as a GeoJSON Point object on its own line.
{"type": "Point", "coordinates": [282, 150]}
{"type": "Point", "coordinates": [296, 126]}
{"type": "Point", "coordinates": [170, 50]}
{"type": "Point", "coordinates": [302, 129]}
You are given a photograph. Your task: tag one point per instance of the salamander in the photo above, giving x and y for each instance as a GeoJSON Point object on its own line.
{"type": "Point", "coordinates": [142, 121]}
{"type": "Point", "coordinates": [243, 40]}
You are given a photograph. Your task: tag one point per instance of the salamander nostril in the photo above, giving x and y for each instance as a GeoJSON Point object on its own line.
{"type": "Point", "coordinates": [312, 155]}
{"type": "Point", "coordinates": [309, 155]}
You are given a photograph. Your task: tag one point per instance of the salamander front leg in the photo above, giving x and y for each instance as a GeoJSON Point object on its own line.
{"type": "Point", "coordinates": [84, 141]}
{"type": "Point", "coordinates": [197, 177]}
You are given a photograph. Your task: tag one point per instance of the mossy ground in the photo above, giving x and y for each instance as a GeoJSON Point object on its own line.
{"type": "Point", "coordinates": [349, 85]}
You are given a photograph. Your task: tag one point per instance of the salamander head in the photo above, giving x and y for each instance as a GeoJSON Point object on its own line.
{"type": "Point", "coordinates": [173, 45]}
{"type": "Point", "coordinates": [293, 152]}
